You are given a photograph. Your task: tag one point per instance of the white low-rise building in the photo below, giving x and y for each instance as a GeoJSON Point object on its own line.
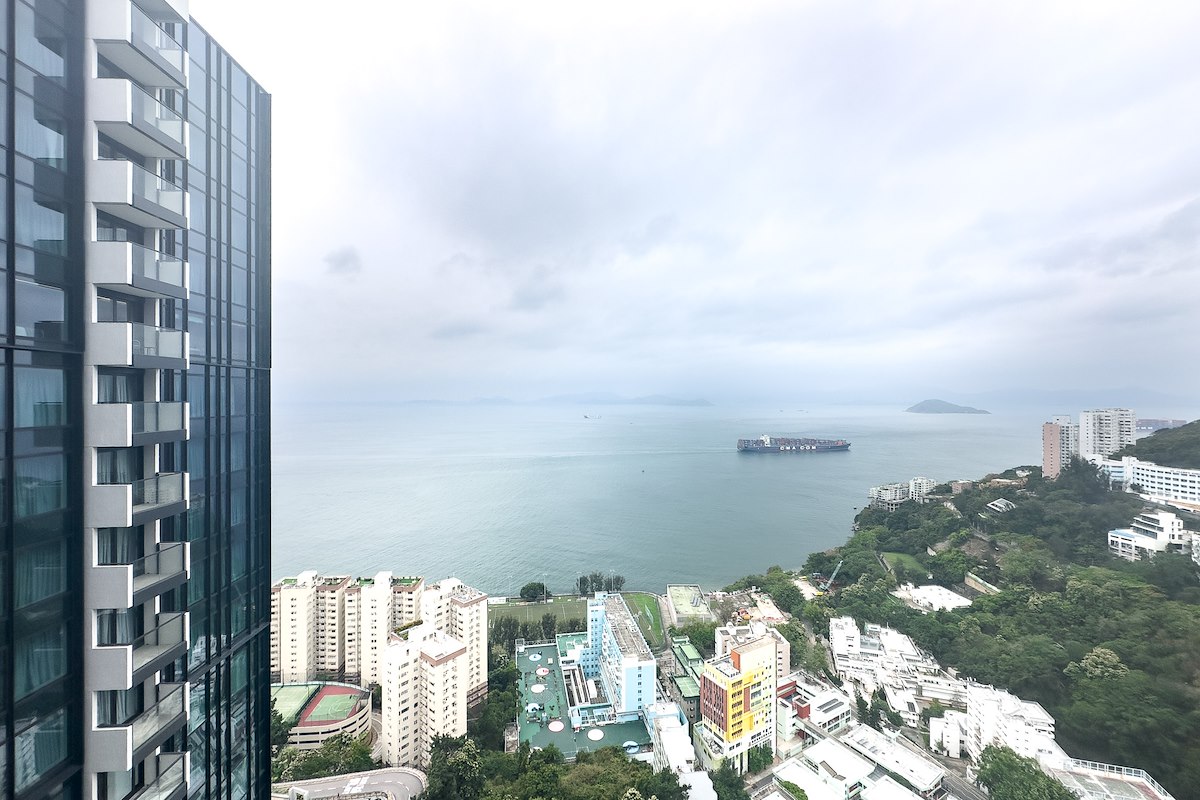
{"type": "Point", "coordinates": [1173, 485]}
{"type": "Point", "coordinates": [922, 774]}
{"type": "Point", "coordinates": [947, 732]}
{"type": "Point", "coordinates": [931, 597]}
{"type": "Point", "coordinates": [806, 710]}
{"type": "Point", "coordinates": [997, 717]}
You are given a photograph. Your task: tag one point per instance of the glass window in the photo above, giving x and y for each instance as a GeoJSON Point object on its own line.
{"type": "Point", "coordinates": [40, 397]}
{"type": "Point", "coordinates": [40, 572]}
{"type": "Point", "coordinates": [41, 223]}
{"type": "Point", "coordinates": [39, 44]}
{"type": "Point", "coordinates": [40, 658]}
{"type": "Point", "coordinates": [41, 134]}
{"type": "Point", "coordinates": [40, 747]}
{"type": "Point", "coordinates": [40, 485]}
{"type": "Point", "coordinates": [41, 311]}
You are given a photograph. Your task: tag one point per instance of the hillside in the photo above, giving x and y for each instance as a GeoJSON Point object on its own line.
{"type": "Point", "coordinates": [1064, 607]}
{"type": "Point", "coordinates": [1170, 447]}
{"type": "Point", "coordinates": [942, 407]}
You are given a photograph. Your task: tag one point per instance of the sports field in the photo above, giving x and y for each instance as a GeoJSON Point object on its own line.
{"type": "Point", "coordinates": [910, 562]}
{"type": "Point", "coordinates": [290, 699]}
{"type": "Point", "coordinates": [648, 613]}
{"type": "Point", "coordinates": [333, 703]}
{"type": "Point", "coordinates": [562, 607]}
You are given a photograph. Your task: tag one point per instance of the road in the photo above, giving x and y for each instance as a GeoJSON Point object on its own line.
{"type": "Point", "coordinates": [376, 735]}
{"type": "Point", "coordinates": [962, 789]}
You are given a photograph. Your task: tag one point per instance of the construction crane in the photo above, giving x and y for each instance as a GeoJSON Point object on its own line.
{"type": "Point", "coordinates": [825, 586]}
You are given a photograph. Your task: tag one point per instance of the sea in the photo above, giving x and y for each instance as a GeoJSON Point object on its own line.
{"type": "Point", "coordinates": [500, 495]}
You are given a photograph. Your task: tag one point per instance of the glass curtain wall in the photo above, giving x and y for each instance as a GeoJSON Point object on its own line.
{"type": "Point", "coordinates": [41, 295]}
{"type": "Point", "coordinates": [228, 453]}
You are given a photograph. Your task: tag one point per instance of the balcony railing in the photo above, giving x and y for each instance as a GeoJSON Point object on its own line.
{"type": "Point", "coordinates": [160, 490]}
{"type": "Point", "coordinates": [148, 32]}
{"type": "Point", "coordinates": [170, 780]}
{"type": "Point", "coordinates": [157, 417]}
{"type": "Point", "coordinates": [155, 342]}
{"type": "Point", "coordinates": [149, 111]}
{"type": "Point", "coordinates": [169, 561]}
{"type": "Point", "coordinates": [159, 641]}
{"type": "Point", "coordinates": [151, 722]}
{"type": "Point", "coordinates": [156, 189]}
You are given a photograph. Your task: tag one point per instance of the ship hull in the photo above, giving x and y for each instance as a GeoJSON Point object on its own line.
{"type": "Point", "coordinates": [784, 445]}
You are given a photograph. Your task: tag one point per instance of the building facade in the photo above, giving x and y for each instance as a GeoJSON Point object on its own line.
{"type": "Point", "coordinates": [1152, 532]}
{"type": "Point", "coordinates": [1060, 443]}
{"type": "Point", "coordinates": [1104, 431]}
{"type": "Point", "coordinates": [737, 704]}
{"type": "Point", "coordinates": [136, 346]}
{"type": "Point", "coordinates": [424, 672]}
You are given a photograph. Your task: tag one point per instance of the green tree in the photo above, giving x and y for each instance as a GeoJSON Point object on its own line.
{"type": "Point", "coordinates": [1008, 776]}
{"type": "Point", "coordinates": [584, 585]}
{"type": "Point", "coordinates": [535, 590]}
{"type": "Point", "coordinates": [338, 755]}
{"type": "Point", "coordinates": [279, 727]}
{"type": "Point", "coordinates": [549, 626]}
{"type": "Point", "coordinates": [792, 789]}
{"type": "Point", "coordinates": [758, 759]}
{"type": "Point", "coordinates": [728, 784]}
{"type": "Point", "coordinates": [454, 770]}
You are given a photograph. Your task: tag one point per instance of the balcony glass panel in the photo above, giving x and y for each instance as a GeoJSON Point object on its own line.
{"type": "Point", "coordinates": [160, 342]}
{"type": "Point", "coordinates": [169, 780]}
{"type": "Point", "coordinates": [167, 561]}
{"type": "Point", "coordinates": [149, 33]}
{"type": "Point", "coordinates": [157, 417]}
{"type": "Point", "coordinates": [158, 491]}
{"type": "Point", "coordinates": [156, 189]}
{"type": "Point", "coordinates": [158, 640]}
{"type": "Point", "coordinates": [150, 723]}
{"type": "Point", "coordinates": [156, 266]}
{"type": "Point", "coordinates": [151, 112]}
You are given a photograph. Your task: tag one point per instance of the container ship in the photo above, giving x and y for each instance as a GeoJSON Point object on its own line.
{"type": "Point", "coordinates": [780, 444]}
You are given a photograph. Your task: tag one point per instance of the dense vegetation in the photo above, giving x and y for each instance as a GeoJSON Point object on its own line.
{"type": "Point", "coordinates": [535, 590]}
{"type": "Point", "coordinates": [337, 756]}
{"type": "Point", "coordinates": [1008, 776]}
{"type": "Point", "coordinates": [1170, 447]}
{"type": "Point", "coordinates": [1111, 649]}
{"type": "Point", "coordinates": [459, 770]}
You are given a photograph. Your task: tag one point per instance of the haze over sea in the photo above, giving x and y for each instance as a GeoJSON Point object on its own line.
{"type": "Point", "coordinates": [499, 495]}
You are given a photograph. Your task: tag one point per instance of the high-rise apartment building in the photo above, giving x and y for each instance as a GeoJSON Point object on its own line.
{"type": "Point", "coordinates": [461, 611]}
{"type": "Point", "coordinates": [1060, 443]}
{"type": "Point", "coordinates": [737, 704]}
{"type": "Point", "coordinates": [135, 394]}
{"type": "Point", "coordinates": [425, 682]}
{"type": "Point", "coordinates": [1104, 431]}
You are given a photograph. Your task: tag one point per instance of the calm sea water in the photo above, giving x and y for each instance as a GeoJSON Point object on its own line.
{"type": "Point", "coordinates": [501, 495]}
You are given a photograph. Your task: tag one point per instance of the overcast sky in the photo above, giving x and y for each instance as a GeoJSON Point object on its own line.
{"type": "Point", "coordinates": [729, 200]}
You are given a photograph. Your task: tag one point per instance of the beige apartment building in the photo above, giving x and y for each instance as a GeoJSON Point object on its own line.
{"type": "Point", "coordinates": [461, 611]}
{"type": "Point", "coordinates": [424, 693]}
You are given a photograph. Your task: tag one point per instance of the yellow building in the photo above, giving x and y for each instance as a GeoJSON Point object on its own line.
{"type": "Point", "coordinates": [737, 704]}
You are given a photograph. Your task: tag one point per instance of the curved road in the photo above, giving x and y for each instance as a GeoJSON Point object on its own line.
{"type": "Point", "coordinates": [401, 783]}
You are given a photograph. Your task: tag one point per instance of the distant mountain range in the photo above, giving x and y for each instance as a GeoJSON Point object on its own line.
{"type": "Point", "coordinates": [942, 407]}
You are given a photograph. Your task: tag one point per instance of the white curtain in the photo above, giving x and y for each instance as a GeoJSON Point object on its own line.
{"type": "Point", "coordinates": [113, 388]}
{"type": "Point", "coordinates": [117, 545]}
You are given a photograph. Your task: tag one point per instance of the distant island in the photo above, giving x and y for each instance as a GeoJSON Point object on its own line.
{"type": "Point", "coordinates": [942, 407]}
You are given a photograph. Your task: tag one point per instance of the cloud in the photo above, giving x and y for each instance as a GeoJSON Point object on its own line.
{"type": "Point", "coordinates": [343, 261]}
{"type": "Point", "coordinates": [757, 199]}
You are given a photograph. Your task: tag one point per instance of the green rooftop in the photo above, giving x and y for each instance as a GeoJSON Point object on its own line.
{"type": "Point", "coordinates": [569, 641]}
{"type": "Point", "coordinates": [686, 685]}
{"type": "Point", "coordinates": [291, 698]}
{"type": "Point", "coordinates": [536, 726]}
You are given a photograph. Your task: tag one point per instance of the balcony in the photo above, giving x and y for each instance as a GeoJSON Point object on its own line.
{"type": "Point", "coordinates": [128, 424]}
{"type": "Point", "coordinates": [123, 505]}
{"type": "Point", "coordinates": [115, 748]}
{"type": "Point", "coordinates": [134, 269]}
{"type": "Point", "coordinates": [136, 44]}
{"type": "Point", "coordinates": [132, 116]}
{"type": "Point", "coordinates": [133, 344]}
{"type": "Point", "coordinates": [170, 784]}
{"type": "Point", "coordinates": [127, 585]}
{"type": "Point", "coordinates": [136, 194]}
{"type": "Point", "coordinates": [120, 665]}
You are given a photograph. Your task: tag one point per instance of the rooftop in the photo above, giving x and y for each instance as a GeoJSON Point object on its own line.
{"type": "Point", "coordinates": [549, 722]}
{"type": "Point", "coordinates": [1109, 782]}
{"type": "Point", "coordinates": [629, 636]}
{"type": "Point", "coordinates": [914, 768]}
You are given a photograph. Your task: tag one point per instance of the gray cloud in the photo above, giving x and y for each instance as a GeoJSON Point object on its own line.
{"type": "Point", "coordinates": [343, 261]}
{"type": "Point", "coordinates": [792, 194]}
